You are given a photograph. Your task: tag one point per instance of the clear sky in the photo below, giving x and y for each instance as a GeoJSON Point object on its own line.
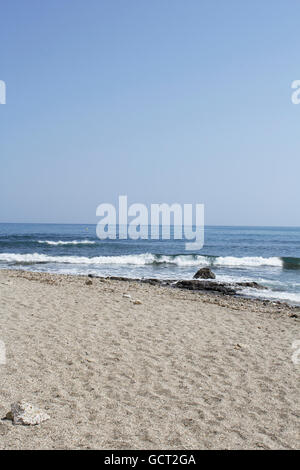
{"type": "Point", "coordinates": [161, 100]}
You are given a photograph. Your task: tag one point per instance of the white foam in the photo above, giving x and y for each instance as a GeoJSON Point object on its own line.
{"type": "Point", "coordinates": [226, 261]}
{"type": "Point", "coordinates": [247, 261]}
{"type": "Point", "coordinates": [273, 295]}
{"type": "Point", "coordinates": [183, 260]}
{"type": "Point", "coordinates": [71, 242]}
{"type": "Point", "coordinates": [141, 259]}
{"type": "Point", "coordinates": [41, 258]}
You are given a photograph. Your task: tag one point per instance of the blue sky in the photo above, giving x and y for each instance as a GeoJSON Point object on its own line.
{"type": "Point", "coordinates": [161, 100]}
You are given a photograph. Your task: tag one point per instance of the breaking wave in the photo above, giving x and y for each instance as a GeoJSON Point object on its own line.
{"type": "Point", "coordinates": [142, 259]}
{"type": "Point", "coordinates": [71, 242]}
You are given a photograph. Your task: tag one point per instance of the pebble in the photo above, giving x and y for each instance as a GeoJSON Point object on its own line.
{"type": "Point", "coordinates": [26, 414]}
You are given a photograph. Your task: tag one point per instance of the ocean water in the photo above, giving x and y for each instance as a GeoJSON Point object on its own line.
{"type": "Point", "coordinates": [268, 255]}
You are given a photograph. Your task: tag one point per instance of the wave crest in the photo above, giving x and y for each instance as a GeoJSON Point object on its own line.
{"type": "Point", "coordinates": [71, 242]}
{"type": "Point", "coordinates": [254, 261]}
{"type": "Point", "coordinates": [143, 259]}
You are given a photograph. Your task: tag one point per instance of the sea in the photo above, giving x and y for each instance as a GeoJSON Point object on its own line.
{"type": "Point", "coordinates": [267, 255]}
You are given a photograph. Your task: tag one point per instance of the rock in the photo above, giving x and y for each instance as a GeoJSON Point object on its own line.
{"type": "Point", "coordinates": [253, 284]}
{"type": "Point", "coordinates": [91, 275]}
{"type": "Point", "coordinates": [206, 286]}
{"type": "Point", "coordinates": [127, 296]}
{"type": "Point", "coordinates": [9, 416]}
{"type": "Point", "coordinates": [88, 282]}
{"type": "Point", "coordinates": [204, 273]}
{"type": "Point", "coordinates": [137, 302]}
{"type": "Point", "coordinates": [26, 414]}
{"type": "Point", "coordinates": [152, 281]}
{"type": "Point", "coordinates": [158, 282]}
{"type": "Point", "coordinates": [120, 278]}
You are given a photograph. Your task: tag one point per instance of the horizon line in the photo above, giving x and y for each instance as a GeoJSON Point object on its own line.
{"type": "Point", "coordinates": [160, 225]}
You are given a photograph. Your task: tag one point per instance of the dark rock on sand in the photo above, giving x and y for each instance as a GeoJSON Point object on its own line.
{"type": "Point", "coordinates": [158, 282]}
{"type": "Point", "coordinates": [206, 286]}
{"type": "Point", "coordinates": [253, 284]}
{"type": "Point", "coordinates": [152, 281]}
{"type": "Point", "coordinates": [293, 315]}
{"type": "Point", "coordinates": [120, 278]}
{"type": "Point", "coordinates": [204, 273]}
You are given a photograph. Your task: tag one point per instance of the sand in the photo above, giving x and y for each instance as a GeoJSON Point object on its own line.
{"type": "Point", "coordinates": [180, 370]}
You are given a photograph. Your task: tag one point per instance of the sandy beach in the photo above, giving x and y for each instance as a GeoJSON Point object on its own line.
{"type": "Point", "coordinates": [177, 370]}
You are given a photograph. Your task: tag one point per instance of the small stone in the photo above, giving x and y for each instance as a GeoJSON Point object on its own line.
{"type": "Point", "coordinates": [88, 282]}
{"type": "Point", "coordinates": [127, 296]}
{"type": "Point", "coordinates": [137, 302]}
{"type": "Point", "coordinates": [9, 416]}
{"type": "Point", "coordinates": [26, 414]}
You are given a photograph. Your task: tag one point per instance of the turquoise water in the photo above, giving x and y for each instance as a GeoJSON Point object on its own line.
{"type": "Point", "coordinates": [269, 255]}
